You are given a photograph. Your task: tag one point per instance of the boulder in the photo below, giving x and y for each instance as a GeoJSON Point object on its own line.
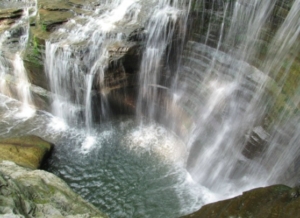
{"type": "Point", "coordinates": [275, 201]}
{"type": "Point", "coordinates": [36, 193]}
{"type": "Point", "coordinates": [27, 151]}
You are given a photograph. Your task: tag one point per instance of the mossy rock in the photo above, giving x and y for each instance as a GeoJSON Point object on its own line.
{"type": "Point", "coordinates": [34, 57]}
{"type": "Point", "coordinates": [27, 151]}
{"type": "Point", "coordinates": [277, 201]}
{"type": "Point", "coordinates": [37, 193]}
{"type": "Point", "coordinates": [50, 15]}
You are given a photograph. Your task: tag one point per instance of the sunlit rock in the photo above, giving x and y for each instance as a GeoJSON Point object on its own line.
{"type": "Point", "coordinates": [26, 151]}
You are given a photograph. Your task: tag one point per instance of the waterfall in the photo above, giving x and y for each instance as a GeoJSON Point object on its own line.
{"type": "Point", "coordinates": [12, 44]}
{"type": "Point", "coordinates": [77, 54]}
{"type": "Point", "coordinates": [236, 72]}
{"type": "Point", "coordinates": [213, 87]}
{"type": "Point", "coordinates": [162, 30]}
{"type": "Point", "coordinates": [281, 56]}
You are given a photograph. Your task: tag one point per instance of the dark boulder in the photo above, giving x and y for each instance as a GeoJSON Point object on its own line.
{"type": "Point", "coordinates": [275, 201]}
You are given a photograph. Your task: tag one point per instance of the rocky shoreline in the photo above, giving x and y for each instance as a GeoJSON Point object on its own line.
{"type": "Point", "coordinates": [26, 191]}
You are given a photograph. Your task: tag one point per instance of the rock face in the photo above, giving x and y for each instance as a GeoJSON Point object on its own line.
{"type": "Point", "coordinates": [274, 201]}
{"type": "Point", "coordinates": [27, 193]}
{"type": "Point", "coordinates": [26, 151]}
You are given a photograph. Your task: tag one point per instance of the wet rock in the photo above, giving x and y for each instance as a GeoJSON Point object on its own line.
{"type": "Point", "coordinates": [54, 5]}
{"type": "Point", "coordinates": [36, 193]}
{"type": "Point", "coordinates": [27, 151]}
{"type": "Point", "coordinates": [33, 58]}
{"type": "Point", "coordinates": [51, 19]}
{"type": "Point", "coordinates": [40, 97]}
{"type": "Point", "coordinates": [138, 35]}
{"type": "Point", "coordinates": [10, 13]}
{"type": "Point", "coordinates": [9, 17]}
{"type": "Point", "coordinates": [50, 15]}
{"type": "Point", "coordinates": [256, 143]}
{"type": "Point", "coordinates": [275, 201]}
{"type": "Point", "coordinates": [129, 54]}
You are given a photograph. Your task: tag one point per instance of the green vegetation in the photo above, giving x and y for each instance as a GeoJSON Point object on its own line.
{"type": "Point", "coordinates": [44, 27]}
{"type": "Point", "coordinates": [36, 49]}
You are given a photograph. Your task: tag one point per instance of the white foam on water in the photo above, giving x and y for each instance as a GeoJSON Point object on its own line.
{"type": "Point", "coordinates": [25, 112]}
{"type": "Point", "coordinates": [156, 139]}
{"type": "Point", "coordinates": [206, 195]}
{"type": "Point", "coordinates": [95, 140]}
{"type": "Point", "coordinates": [88, 144]}
{"type": "Point", "coordinates": [58, 124]}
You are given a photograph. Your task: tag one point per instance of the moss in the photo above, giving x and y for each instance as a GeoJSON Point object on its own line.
{"type": "Point", "coordinates": [44, 27]}
{"type": "Point", "coordinates": [36, 49]}
{"type": "Point", "coordinates": [33, 53]}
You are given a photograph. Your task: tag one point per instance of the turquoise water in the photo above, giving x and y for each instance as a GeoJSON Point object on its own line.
{"type": "Point", "coordinates": [125, 171]}
{"type": "Point", "coordinates": [123, 167]}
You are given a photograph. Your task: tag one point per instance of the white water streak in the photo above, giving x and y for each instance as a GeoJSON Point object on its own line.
{"type": "Point", "coordinates": [11, 62]}
{"type": "Point", "coordinates": [161, 30]}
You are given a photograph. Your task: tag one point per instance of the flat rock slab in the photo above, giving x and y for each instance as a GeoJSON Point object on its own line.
{"type": "Point", "coordinates": [26, 151]}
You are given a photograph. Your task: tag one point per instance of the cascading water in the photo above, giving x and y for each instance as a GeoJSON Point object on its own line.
{"type": "Point", "coordinates": [12, 44]}
{"type": "Point", "coordinates": [225, 112]}
{"type": "Point", "coordinates": [72, 70]}
{"type": "Point", "coordinates": [67, 68]}
{"type": "Point", "coordinates": [161, 32]}
{"type": "Point", "coordinates": [233, 95]}
{"type": "Point", "coordinates": [141, 166]}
